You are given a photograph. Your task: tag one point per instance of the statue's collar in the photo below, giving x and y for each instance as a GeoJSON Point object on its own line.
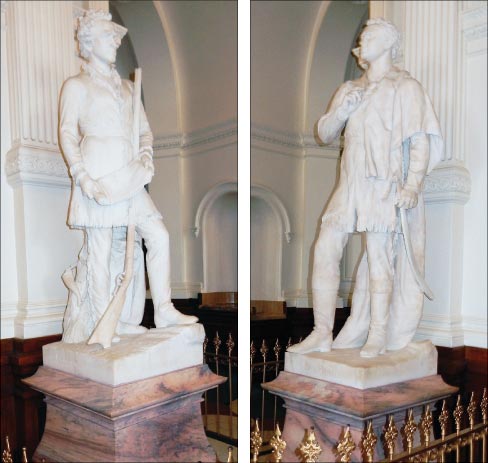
{"type": "Point", "coordinates": [111, 82]}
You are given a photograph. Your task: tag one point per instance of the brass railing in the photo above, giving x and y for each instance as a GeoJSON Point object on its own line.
{"type": "Point", "coordinates": [265, 365]}
{"type": "Point", "coordinates": [219, 406]}
{"type": "Point", "coordinates": [468, 444]}
{"type": "Point", "coordinates": [7, 453]}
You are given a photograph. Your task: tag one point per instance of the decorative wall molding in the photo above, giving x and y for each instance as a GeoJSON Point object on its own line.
{"type": "Point", "coordinates": [270, 198]}
{"type": "Point", "coordinates": [284, 143]}
{"type": "Point", "coordinates": [210, 138]}
{"type": "Point", "coordinates": [166, 146]}
{"type": "Point", "coordinates": [448, 183]}
{"type": "Point", "coordinates": [38, 166]}
{"type": "Point", "coordinates": [210, 197]}
{"type": "Point", "coordinates": [36, 319]}
{"type": "Point", "coordinates": [475, 332]}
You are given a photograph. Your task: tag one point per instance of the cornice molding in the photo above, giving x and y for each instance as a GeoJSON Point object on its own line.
{"type": "Point", "coordinates": [448, 184]}
{"type": "Point", "coordinates": [36, 166]}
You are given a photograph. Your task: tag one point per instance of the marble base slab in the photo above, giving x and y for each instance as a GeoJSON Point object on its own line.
{"type": "Point", "coordinates": [134, 358]}
{"type": "Point", "coordinates": [346, 367]}
{"type": "Point", "coordinates": [330, 407]}
{"type": "Point", "coordinates": [156, 419]}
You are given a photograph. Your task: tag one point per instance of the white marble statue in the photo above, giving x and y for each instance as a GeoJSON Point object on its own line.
{"type": "Point", "coordinates": [392, 140]}
{"type": "Point", "coordinates": [109, 168]}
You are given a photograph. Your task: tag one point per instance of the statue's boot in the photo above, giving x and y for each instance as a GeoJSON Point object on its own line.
{"type": "Point", "coordinates": [320, 339]}
{"type": "Point", "coordinates": [127, 328]}
{"type": "Point", "coordinates": [166, 315]}
{"type": "Point", "coordinates": [380, 309]}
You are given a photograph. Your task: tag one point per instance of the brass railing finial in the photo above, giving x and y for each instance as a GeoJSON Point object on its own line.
{"type": "Point", "coordinates": [390, 435]}
{"type": "Point", "coordinates": [24, 455]}
{"type": "Point", "coordinates": [256, 441]}
{"type": "Point", "coordinates": [217, 342]}
{"type": "Point", "coordinates": [408, 430]}
{"type": "Point", "coordinates": [288, 344]}
{"type": "Point", "coordinates": [6, 454]}
{"type": "Point", "coordinates": [471, 410]}
{"type": "Point", "coordinates": [278, 444]}
{"type": "Point", "coordinates": [368, 442]}
{"type": "Point", "coordinates": [277, 349]}
{"type": "Point", "coordinates": [458, 414]}
{"type": "Point", "coordinates": [230, 344]}
{"type": "Point", "coordinates": [253, 351]}
{"type": "Point", "coordinates": [230, 455]}
{"type": "Point", "coordinates": [310, 448]}
{"type": "Point", "coordinates": [425, 425]}
{"type": "Point", "coordinates": [484, 406]}
{"type": "Point", "coordinates": [264, 350]}
{"type": "Point", "coordinates": [444, 419]}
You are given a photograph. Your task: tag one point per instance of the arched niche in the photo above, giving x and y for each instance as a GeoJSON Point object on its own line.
{"type": "Point", "coordinates": [270, 229]}
{"type": "Point", "coordinates": [147, 40]}
{"type": "Point", "coordinates": [216, 224]}
{"type": "Point", "coordinates": [336, 32]}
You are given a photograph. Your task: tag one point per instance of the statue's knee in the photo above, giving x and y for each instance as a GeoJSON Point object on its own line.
{"type": "Point", "coordinates": [383, 285]}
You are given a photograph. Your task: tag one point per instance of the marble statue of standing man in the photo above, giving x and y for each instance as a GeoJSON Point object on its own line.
{"type": "Point", "coordinates": [95, 132]}
{"type": "Point", "coordinates": [392, 140]}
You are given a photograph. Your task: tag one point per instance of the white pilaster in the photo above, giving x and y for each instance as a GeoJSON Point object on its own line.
{"type": "Point", "coordinates": [40, 55]}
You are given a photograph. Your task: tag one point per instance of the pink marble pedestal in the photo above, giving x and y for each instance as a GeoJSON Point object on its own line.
{"type": "Point", "coordinates": [155, 419]}
{"type": "Point", "coordinates": [329, 407]}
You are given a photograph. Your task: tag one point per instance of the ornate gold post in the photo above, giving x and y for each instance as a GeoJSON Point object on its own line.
{"type": "Point", "coordinates": [230, 346]}
{"type": "Point", "coordinates": [471, 416]}
{"type": "Point", "coordinates": [458, 414]}
{"type": "Point", "coordinates": [368, 443]}
{"type": "Point", "coordinates": [425, 425]}
{"type": "Point", "coordinates": [278, 444]}
{"type": "Point", "coordinates": [309, 448]}
{"type": "Point", "coordinates": [443, 420]}
{"type": "Point", "coordinates": [252, 353]}
{"type": "Point", "coordinates": [205, 398]}
{"type": "Point", "coordinates": [6, 454]}
{"type": "Point", "coordinates": [409, 430]}
{"type": "Point", "coordinates": [484, 415]}
{"type": "Point", "coordinates": [256, 441]}
{"type": "Point", "coordinates": [276, 350]}
{"type": "Point", "coordinates": [217, 342]}
{"type": "Point", "coordinates": [390, 435]}
{"type": "Point", "coordinates": [24, 455]}
{"type": "Point", "coordinates": [264, 351]}
{"type": "Point", "coordinates": [230, 455]}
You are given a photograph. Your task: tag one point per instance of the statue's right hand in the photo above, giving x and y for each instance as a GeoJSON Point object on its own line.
{"type": "Point", "coordinates": [89, 187]}
{"type": "Point", "coordinates": [351, 101]}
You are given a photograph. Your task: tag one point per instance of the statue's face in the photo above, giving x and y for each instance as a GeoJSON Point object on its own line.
{"type": "Point", "coordinates": [373, 43]}
{"type": "Point", "coordinates": [105, 41]}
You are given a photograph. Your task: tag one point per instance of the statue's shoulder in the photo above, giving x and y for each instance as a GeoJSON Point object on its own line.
{"type": "Point", "coordinates": [404, 81]}
{"type": "Point", "coordinates": [76, 84]}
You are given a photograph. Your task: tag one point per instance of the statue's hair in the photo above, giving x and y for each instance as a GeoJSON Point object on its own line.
{"type": "Point", "coordinates": [85, 26]}
{"type": "Point", "coordinates": [391, 33]}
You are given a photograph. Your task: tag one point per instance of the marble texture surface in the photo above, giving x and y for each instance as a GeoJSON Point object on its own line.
{"type": "Point", "coordinates": [330, 407]}
{"type": "Point", "coordinates": [347, 367]}
{"type": "Point", "coordinates": [134, 358]}
{"type": "Point", "coordinates": [156, 419]}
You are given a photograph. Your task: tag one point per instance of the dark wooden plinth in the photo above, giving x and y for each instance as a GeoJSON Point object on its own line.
{"type": "Point", "coordinates": [329, 407]}
{"type": "Point", "coordinates": [156, 419]}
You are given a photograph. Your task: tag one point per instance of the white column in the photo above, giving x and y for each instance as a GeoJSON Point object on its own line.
{"type": "Point", "coordinates": [41, 55]}
{"type": "Point", "coordinates": [438, 38]}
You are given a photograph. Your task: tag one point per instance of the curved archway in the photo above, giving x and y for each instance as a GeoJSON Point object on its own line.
{"type": "Point", "coordinates": [146, 30]}
{"type": "Point", "coordinates": [330, 46]}
{"type": "Point", "coordinates": [259, 191]}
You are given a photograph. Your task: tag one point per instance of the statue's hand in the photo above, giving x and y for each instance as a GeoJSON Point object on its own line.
{"type": "Point", "coordinates": [89, 187]}
{"type": "Point", "coordinates": [350, 103]}
{"type": "Point", "coordinates": [147, 162]}
{"type": "Point", "coordinates": [407, 199]}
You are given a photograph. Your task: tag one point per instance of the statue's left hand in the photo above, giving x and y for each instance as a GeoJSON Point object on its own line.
{"type": "Point", "coordinates": [407, 199]}
{"type": "Point", "coordinates": [147, 162]}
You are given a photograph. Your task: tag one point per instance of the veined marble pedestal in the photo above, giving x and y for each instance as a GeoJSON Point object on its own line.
{"type": "Point", "coordinates": [329, 407]}
{"type": "Point", "coordinates": [156, 418]}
